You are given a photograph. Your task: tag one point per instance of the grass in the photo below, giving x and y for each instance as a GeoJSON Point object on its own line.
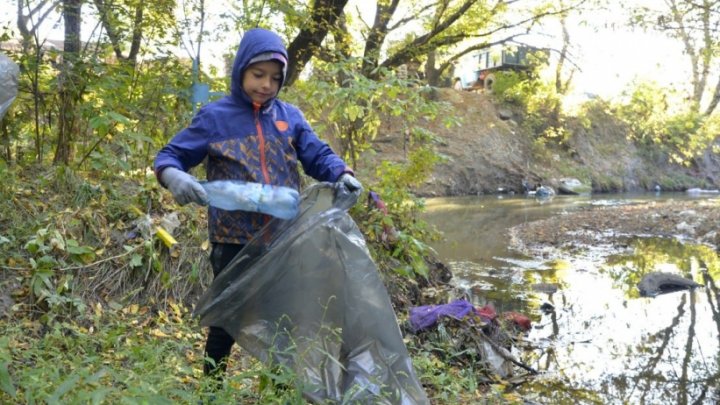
{"type": "Point", "coordinates": [95, 310]}
{"type": "Point", "coordinates": [137, 355]}
{"type": "Point", "coordinates": [131, 355]}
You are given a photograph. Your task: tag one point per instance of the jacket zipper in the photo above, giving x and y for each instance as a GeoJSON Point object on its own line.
{"type": "Point", "coordinates": [261, 142]}
{"type": "Point", "coordinates": [263, 161]}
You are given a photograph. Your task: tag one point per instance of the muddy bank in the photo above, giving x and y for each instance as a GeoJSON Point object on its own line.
{"type": "Point", "coordinates": [691, 220]}
{"type": "Point", "coordinates": [491, 149]}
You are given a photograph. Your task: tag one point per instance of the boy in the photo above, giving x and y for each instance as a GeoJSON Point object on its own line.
{"type": "Point", "coordinates": [252, 136]}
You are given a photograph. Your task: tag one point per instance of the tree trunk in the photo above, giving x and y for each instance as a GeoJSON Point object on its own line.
{"type": "Point", "coordinates": [342, 48]}
{"type": "Point", "coordinates": [714, 100]}
{"type": "Point", "coordinates": [324, 14]}
{"type": "Point", "coordinates": [376, 36]}
{"type": "Point", "coordinates": [66, 82]}
{"type": "Point", "coordinates": [28, 25]}
{"type": "Point", "coordinates": [431, 73]}
{"type": "Point", "coordinates": [561, 86]}
{"type": "Point", "coordinates": [138, 33]}
{"type": "Point", "coordinates": [115, 36]}
{"type": "Point", "coordinates": [423, 44]}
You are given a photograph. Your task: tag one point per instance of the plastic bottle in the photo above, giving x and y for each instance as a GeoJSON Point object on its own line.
{"type": "Point", "coordinates": [233, 195]}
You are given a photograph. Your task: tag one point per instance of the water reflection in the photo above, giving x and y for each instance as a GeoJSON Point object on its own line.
{"type": "Point", "coordinates": [595, 339]}
{"type": "Point", "coordinates": [658, 254]}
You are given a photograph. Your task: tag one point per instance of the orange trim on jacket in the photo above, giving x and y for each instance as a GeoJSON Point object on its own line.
{"type": "Point", "coordinates": [261, 141]}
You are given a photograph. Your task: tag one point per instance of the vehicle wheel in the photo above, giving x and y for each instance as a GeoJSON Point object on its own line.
{"type": "Point", "coordinates": [489, 80]}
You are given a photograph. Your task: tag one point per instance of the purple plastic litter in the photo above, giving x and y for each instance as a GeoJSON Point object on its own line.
{"type": "Point", "coordinates": [373, 196]}
{"type": "Point", "coordinates": [426, 316]}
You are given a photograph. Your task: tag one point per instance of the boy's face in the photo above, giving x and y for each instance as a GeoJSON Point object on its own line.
{"type": "Point", "coordinates": [261, 81]}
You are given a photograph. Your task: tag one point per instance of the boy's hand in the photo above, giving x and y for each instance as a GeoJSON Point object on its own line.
{"type": "Point", "coordinates": [351, 183]}
{"type": "Point", "coordinates": [183, 186]}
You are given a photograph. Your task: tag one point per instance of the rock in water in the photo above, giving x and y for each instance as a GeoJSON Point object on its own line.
{"type": "Point", "coordinates": [656, 283]}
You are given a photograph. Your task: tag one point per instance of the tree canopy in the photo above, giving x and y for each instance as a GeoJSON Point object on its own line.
{"type": "Point", "coordinates": [119, 57]}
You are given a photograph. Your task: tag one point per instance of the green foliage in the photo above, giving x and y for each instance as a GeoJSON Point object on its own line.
{"type": "Point", "coordinates": [467, 383]}
{"type": "Point", "coordinates": [124, 113]}
{"type": "Point", "coordinates": [115, 353]}
{"type": "Point", "coordinates": [395, 180]}
{"type": "Point", "coordinates": [130, 112]}
{"type": "Point", "coordinates": [513, 88]}
{"type": "Point", "coordinates": [689, 23]}
{"type": "Point", "coordinates": [652, 121]}
{"type": "Point", "coordinates": [70, 240]}
{"type": "Point", "coordinates": [344, 105]}
{"type": "Point", "coordinates": [645, 113]}
{"type": "Point", "coordinates": [352, 113]}
{"type": "Point", "coordinates": [122, 354]}
{"type": "Point", "coordinates": [540, 103]}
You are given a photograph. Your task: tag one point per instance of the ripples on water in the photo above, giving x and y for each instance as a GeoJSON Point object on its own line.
{"type": "Point", "coordinates": [602, 343]}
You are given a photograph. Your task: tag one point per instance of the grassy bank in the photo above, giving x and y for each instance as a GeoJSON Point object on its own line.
{"type": "Point", "coordinates": [95, 306]}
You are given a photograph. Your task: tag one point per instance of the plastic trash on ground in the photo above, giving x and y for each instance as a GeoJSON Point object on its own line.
{"type": "Point", "coordinates": [230, 195]}
{"type": "Point", "coordinates": [476, 335]}
{"type": "Point", "coordinates": [306, 295]}
{"type": "Point", "coordinates": [9, 72]}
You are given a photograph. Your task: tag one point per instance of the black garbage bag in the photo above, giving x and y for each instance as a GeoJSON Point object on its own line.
{"type": "Point", "coordinates": [306, 294]}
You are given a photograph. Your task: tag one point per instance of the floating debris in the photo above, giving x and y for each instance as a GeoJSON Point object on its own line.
{"type": "Point", "coordinates": [656, 283]}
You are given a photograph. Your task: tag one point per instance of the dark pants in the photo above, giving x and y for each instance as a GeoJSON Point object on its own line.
{"type": "Point", "coordinates": [219, 343]}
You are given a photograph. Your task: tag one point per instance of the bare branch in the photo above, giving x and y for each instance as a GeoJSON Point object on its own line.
{"type": "Point", "coordinates": [413, 17]}
{"type": "Point", "coordinates": [422, 44]}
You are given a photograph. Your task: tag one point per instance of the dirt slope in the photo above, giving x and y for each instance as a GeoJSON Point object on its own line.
{"type": "Point", "coordinates": [487, 153]}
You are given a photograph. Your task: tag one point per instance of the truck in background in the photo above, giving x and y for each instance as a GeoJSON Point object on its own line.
{"type": "Point", "coordinates": [478, 71]}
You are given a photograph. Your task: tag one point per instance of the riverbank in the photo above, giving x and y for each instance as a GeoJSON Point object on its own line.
{"type": "Point", "coordinates": [695, 221]}
{"type": "Point", "coordinates": [491, 150]}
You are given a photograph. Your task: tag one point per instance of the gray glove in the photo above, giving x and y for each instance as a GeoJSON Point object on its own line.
{"type": "Point", "coordinates": [351, 183]}
{"type": "Point", "coordinates": [183, 186]}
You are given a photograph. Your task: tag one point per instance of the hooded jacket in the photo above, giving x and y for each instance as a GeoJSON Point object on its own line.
{"type": "Point", "coordinates": [242, 141]}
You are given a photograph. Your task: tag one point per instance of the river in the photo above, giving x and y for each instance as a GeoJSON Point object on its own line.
{"type": "Point", "coordinates": [595, 340]}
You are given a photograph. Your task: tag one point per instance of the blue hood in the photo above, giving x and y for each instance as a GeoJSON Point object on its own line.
{"type": "Point", "coordinates": [253, 43]}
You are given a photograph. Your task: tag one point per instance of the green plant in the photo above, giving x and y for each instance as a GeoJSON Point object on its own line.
{"type": "Point", "coordinates": [682, 134]}
{"type": "Point", "coordinates": [68, 240]}
{"type": "Point", "coordinates": [511, 88]}
{"type": "Point", "coordinates": [395, 180]}
{"type": "Point", "coordinates": [344, 105]}
{"type": "Point", "coordinates": [541, 105]}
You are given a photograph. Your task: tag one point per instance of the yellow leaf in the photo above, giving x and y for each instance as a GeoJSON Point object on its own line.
{"type": "Point", "coordinates": [205, 245]}
{"type": "Point", "coordinates": [190, 356]}
{"type": "Point", "coordinates": [132, 309]}
{"type": "Point", "coordinates": [176, 309]}
{"type": "Point", "coordinates": [159, 333]}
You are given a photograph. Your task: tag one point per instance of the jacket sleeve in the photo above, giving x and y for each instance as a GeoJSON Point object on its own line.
{"type": "Point", "coordinates": [317, 158]}
{"type": "Point", "coordinates": [187, 148]}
